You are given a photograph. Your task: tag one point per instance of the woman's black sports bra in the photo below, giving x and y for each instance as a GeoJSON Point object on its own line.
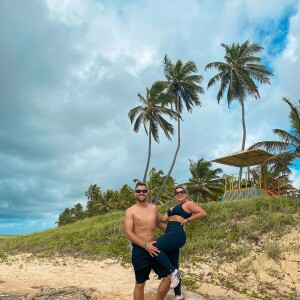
{"type": "Point", "coordinates": [178, 211]}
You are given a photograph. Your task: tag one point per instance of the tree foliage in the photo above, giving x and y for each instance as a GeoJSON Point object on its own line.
{"type": "Point", "coordinates": [206, 183]}
{"type": "Point", "coordinates": [151, 114]}
{"type": "Point", "coordinates": [238, 75]}
{"type": "Point", "coordinates": [287, 149]}
{"type": "Point", "coordinates": [183, 84]}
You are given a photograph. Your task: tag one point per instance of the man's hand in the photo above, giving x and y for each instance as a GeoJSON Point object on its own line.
{"type": "Point", "coordinates": [152, 250]}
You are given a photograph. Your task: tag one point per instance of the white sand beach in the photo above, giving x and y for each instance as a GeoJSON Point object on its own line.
{"type": "Point", "coordinates": [106, 279]}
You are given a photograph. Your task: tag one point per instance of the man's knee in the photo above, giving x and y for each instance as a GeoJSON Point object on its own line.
{"type": "Point", "coordinates": [140, 286]}
{"type": "Point", "coordinates": [165, 284]}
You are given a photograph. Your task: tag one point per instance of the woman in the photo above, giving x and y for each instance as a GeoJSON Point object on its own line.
{"type": "Point", "coordinates": [178, 217]}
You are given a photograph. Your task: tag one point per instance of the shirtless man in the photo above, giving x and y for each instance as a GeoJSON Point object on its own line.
{"type": "Point", "coordinates": [141, 220]}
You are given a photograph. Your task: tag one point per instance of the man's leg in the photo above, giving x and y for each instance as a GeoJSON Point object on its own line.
{"type": "Point", "coordinates": [138, 293]}
{"type": "Point", "coordinates": [163, 288]}
{"type": "Point", "coordinates": [142, 264]}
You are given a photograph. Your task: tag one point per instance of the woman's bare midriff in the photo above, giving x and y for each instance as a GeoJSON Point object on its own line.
{"type": "Point", "coordinates": [176, 218]}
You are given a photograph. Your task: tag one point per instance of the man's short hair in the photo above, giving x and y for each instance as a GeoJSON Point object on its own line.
{"type": "Point", "coordinates": [140, 184]}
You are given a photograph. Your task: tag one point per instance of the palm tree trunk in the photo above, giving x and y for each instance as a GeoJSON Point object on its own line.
{"type": "Point", "coordinates": [175, 155]}
{"type": "Point", "coordinates": [149, 155]}
{"type": "Point", "coordinates": [244, 135]}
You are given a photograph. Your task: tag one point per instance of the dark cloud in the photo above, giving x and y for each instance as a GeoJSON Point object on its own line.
{"type": "Point", "coordinates": [70, 74]}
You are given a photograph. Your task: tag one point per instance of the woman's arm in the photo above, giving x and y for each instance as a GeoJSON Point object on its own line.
{"type": "Point", "coordinates": [198, 212]}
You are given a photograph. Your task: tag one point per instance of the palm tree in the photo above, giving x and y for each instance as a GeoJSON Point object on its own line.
{"type": "Point", "coordinates": [150, 114]}
{"type": "Point", "coordinates": [125, 197]}
{"type": "Point", "coordinates": [272, 177]}
{"type": "Point", "coordinates": [238, 74]}
{"type": "Point", "coordinates": [288, 149]}
{"type": "Point", "coordinates": [205, 183]}
{"type": "Point", "coordinates": [94, 195]}
{"type": "Point", "coordinates": [183, 86]}
{"type": "Point", "coordinates": [156, 179]}
{"type": "Point", "coordinates": [93, 192]}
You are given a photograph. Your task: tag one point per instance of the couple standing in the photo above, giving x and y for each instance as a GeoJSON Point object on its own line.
{"type": "Point", "coordinates": [161, 254]}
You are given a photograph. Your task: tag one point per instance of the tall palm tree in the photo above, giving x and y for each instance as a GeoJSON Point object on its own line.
{"type": "Point", "coordinates": [288, 149]}
{"type": "Point", "coordinates": [205, 183]}
{"type": "Point", "coordinates": [183, 86]}
{"type": "Point", "coordinates": [150, 114]}
{"type": "Point", "coordinates": [238, 74]}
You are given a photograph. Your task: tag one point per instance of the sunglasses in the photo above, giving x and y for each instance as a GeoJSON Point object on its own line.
{"type": "Point", "coordinates": [180, 193]}
{"type": "Point", "coordinates": [141, 191]}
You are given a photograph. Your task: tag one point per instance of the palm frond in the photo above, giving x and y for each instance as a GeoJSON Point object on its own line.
{"type": "Point", "coordinates": [287, 137]}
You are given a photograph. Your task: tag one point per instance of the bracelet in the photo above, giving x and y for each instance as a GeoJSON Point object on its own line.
{"type": "Point", "coordinates": [145, 245]}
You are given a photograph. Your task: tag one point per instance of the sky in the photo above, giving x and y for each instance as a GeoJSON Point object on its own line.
{"type": "Point", "coordinates": [71, 71]}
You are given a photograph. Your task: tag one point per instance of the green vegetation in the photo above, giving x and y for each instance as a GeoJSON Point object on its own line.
{"type": "Point", "coordinates": [234, 232]}
{"type": "Point", "coordinates": [238, 74]}
{"type": "Point", "coordinates": [239, 223]}
{"type": "Point", "coordinates": [183, 86]}
{"type": "Point", "coordinates": [151, 114]}
{"type": "Point", "coordinates": [287, 149]}
{"type": "Point", "coordinates": [206, 182]}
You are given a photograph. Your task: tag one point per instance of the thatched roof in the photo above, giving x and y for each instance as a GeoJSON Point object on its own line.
{"type": "Point", "coordinates": [245, 158]}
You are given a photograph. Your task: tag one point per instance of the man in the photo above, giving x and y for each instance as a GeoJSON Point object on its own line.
{"type": "Point", "coordinates": [140, 223]}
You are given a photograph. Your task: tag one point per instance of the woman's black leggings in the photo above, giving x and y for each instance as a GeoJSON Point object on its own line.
{"type": "Point", "coordinates": [173, 239]}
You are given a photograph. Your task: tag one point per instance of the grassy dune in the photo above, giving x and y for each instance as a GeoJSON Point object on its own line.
{"type": "Point", "coordinates": [227, 224]}
{"type": "Point", "coordinates": [251, 247]}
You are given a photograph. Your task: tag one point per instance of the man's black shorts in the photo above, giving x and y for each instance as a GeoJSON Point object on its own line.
{"type": "Point", "coordinates": [143, 263]}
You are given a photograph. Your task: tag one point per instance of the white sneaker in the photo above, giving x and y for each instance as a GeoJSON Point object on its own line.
{"type": "Point", "coordinates": [175, 278]}
{"type": "Point", "coordinates": [179, 297]}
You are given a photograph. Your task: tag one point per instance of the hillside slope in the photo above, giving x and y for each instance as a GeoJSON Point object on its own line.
{"type": "Point", "coordinates": [250, 248]}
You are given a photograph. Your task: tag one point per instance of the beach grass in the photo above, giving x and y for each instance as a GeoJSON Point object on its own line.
{"type": "Point", "coordinates": [225, 234]}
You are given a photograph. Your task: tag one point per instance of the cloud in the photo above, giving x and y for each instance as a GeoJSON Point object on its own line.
{"type": "Point", "coordinates": [71, 71]}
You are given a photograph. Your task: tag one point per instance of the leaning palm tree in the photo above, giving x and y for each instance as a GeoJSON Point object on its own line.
{"type": "Point", "coordinates": [238, 74]}
{"type": "Point", "coordinates": [288, 149]}
{"type": "Point", "coordinates": [150, 114]}
{"type": "Point", "coordinates": [205, 183]}
{"type": "Point", "coordinates": [183, 86]}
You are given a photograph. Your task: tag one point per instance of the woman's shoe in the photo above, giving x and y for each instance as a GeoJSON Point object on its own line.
{"type": "Point", "coordinates": [175, 278]}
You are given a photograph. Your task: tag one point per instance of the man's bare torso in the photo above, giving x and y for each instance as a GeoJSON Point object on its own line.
{"type": "Point", "coordinates": [144, 221]}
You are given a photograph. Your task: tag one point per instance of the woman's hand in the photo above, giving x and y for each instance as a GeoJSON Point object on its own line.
{"type": "Point", "coordinates": [185, 222]}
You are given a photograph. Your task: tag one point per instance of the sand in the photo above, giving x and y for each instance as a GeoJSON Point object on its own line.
{"type": "Point", "coordinates": [259, 274]}
{"type": "Point", "coordinates": [107, 279]}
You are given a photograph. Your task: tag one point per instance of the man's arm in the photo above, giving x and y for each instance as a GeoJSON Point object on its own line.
{"type": "Point", "coordinates": [159, 221]}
